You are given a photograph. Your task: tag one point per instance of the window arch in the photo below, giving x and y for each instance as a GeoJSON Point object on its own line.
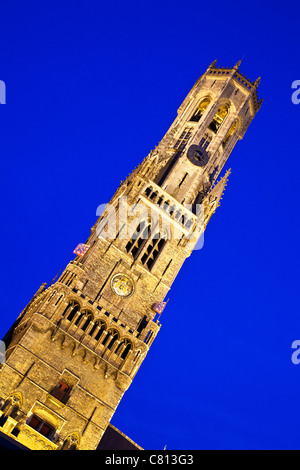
{"type": "Point", "coordinates": [124, 348]}
{"type": "Point", "coordinates": [100, 332]}
{"type": "Point", "coordinates": [11, 407]}
{"type": "Point", "coordinates": [110, 339]}
{"type": "Point", "coordinates": [153, 249]}
{"type": "Point", "coordinates": [200, 110]}
{"type": "Point", "coordinates": [219, 118]}
{"type": "Point", "coordinates": [138, 239]}
{"type": "Point", "coordinates": [148, 191]}
{"type": "Point", "coordinates": [70, 311]}
{"type": "Point", "coordinates": [97, 330]}
{"type": "Point", "coordinates": [71, 443]}
{"type": "Point", "coordinates": [230, 133]}
{"type": "Point", "coordinates": [83, 325]}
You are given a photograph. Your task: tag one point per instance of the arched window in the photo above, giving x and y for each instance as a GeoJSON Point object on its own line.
{"type": "Point", "coordinates": [230, 133]}
{"type": "Point", "coordinates": [123, 349]}
{"type": "Point", "coordinates": [110, 338]}
{"type": "Point", "coordinates": [10, 408]}
{"type": "Point", "coordinates": [71, 443]}
{"type": "Point", "coordinates": [148, 191]}
{"type": "Point", "coordinates": [218, 118]}
{"type": "Point", "coordinates": [200, 110]}
{"type": "Point", "coordinates": [101, 327]}
{"type": "Point", "coordinates": [138, 239]}
{"type": "Point", "coordinates": [71, 310]}
{"type": "Point", "coordinates": [84, 324]}
{"type": "Point", "coordinates": [97, 329]}
{"type": "Point", "coordinates": [153, 250]}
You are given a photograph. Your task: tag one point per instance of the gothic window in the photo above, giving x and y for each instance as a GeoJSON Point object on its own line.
{"type": "Point", "coordinates": [102, 328]}
{"type": "Point", "coordinates": [70, 280]}
{"type": "Point", "coordinates": [230, 133]}
{"type": "Point", "coordinates": [200, 111]}
{"type": "Point", "coordinates": [218, 118]}
{"type": "Point", "coordinates": [148, 191]}
{"type": "Point", "coordinates": [97, 329]}
{"type": "Point", "coordinates": [41, 426]}
{"type": "Point", "coordinates": [71, 310]}
{"type": "Point", "coordinates": [78, 319]}
{"type": "Point", "coordinates": [148, 337]}
{"type": "Point", "coordinates": [138, 239]}
{"type": "Point", "coordinates": [58, 300]}
{"type": "Point", "coordinates": [86, 323]}
{"type": "Point", "coordinates": [110, 338]}
{"type": "Point", "coordinates": [10, 408]}
{"type": "Point", "coordinates": [124, 348]}
{"type": "Point", "coordinates": [153, 250]}
{"type": "Point", "coordinates": [184, 137]}
{"type": "Point", "coordinates": [71, 443]}
{"type": "Point", "coordinates": [51, 296]}
{"type": "Point", "coordinates": [61, 392]}
{"type": "Point", "coordinates": [153, 196]}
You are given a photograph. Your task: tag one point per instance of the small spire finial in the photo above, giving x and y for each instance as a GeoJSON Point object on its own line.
{"type": "Point", "coordinates": [257, 82]}
{"type": "Point", "coordinates": [237, 65]}
{"type": "Point", "coordinates": [213, 64]}
{"type": "Point", "coordinates": [260, 102]}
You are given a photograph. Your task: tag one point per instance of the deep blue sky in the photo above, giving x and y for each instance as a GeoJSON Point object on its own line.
{"type": "Point", "coordinates": [91, 89]}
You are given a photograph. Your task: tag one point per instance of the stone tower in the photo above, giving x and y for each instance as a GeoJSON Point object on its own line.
{"type": "Point", "coordinates": [76, 347]}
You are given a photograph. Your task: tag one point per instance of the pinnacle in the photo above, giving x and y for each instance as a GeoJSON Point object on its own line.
{"type": "Point", "coordinates": [213, 64]}
{"type": "Point", "coordinates": [237, 65]}
{"type": "Point", "coordinates": [257, 82]}
{"type": "Point", "coordinates": [220, 186]}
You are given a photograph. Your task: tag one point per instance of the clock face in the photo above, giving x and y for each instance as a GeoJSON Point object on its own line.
{"type": "Point", "coordinates": [198, 155]}
{"type": "Point", "coordinates": [122, 285]}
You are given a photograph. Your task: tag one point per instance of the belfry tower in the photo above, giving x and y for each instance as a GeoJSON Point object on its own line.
{"type": "Point", "coordinates": [76, 347]}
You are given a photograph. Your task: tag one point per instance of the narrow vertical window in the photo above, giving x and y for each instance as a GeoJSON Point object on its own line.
{"type": "Point", "coordinates": [71, 310]}
{"type": "Point", "coordinates": [230, 133]}
{"type": "Point", "coordinates": [184, 138]}
{"type": "Point", "coordinates": [138, 239]}
{"type": "Point", "coordinates": [205, 141]}
{"type": "Point", "coordinates": [153, 250]}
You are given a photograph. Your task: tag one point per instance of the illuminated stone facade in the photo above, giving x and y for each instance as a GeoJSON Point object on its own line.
{"type": "Point", "coordinates": [75, 349]}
